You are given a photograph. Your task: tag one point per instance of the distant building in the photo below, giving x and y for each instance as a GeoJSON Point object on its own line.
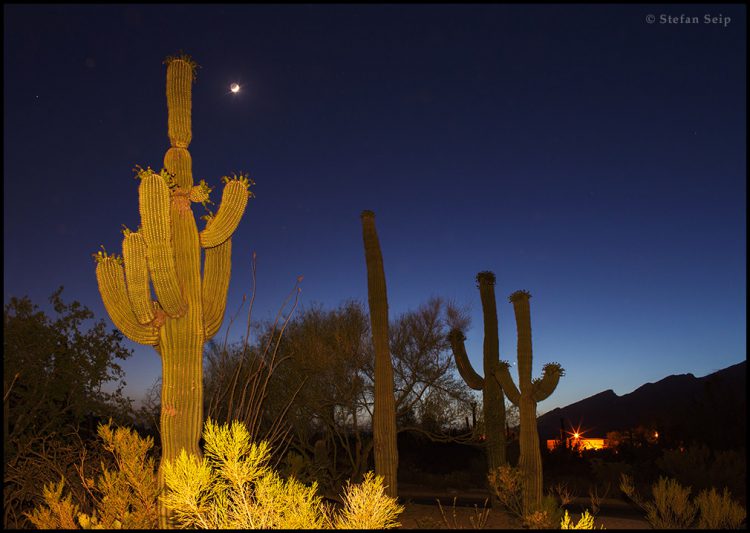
{"type": "Point", "coordinates": [580, 443]}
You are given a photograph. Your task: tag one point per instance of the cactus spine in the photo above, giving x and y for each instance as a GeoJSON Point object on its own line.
{"type": "Point", "coordinates": [384, 412]}
{"type": "Point", "coordinates": [493, 400]}
{"type": "Point", "coordinates": [531, 392]}
{"type": "Point", "coordinates": [166, 251]}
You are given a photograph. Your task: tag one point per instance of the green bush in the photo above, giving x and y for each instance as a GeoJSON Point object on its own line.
{"type": "Point", "coordinates": [234, 487]}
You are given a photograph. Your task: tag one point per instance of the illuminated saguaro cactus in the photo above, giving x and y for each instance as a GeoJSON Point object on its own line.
{"type": "Point", "coordinates": [384, 411]}
{"type": "Point", "coordinates": [532, 391]}
{"type": "Point", "coordinates": [493, 401]}
{"type": "Point", "coordinates": [166, 251]}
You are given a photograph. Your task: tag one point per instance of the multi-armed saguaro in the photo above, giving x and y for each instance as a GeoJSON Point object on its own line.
{"type": "Point", "coordinates": [166, 250]}
{"type": "Point", "coordinates": [384, 412]}
{"type": "Point", "coordinates": [532, 391]}
{"type": "Point", "coordinates": [492, 394]}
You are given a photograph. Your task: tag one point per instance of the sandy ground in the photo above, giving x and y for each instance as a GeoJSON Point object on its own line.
{"type": "Point", "coordinates": [421, 516]}
{"type": "Point", "coordinates": [422, 512]}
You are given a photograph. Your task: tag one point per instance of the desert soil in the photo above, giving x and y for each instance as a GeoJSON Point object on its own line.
{"type": "Point", "coordinates": [423, 512]}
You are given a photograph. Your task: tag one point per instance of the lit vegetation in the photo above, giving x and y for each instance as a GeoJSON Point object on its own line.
{"type": "Point", "coordinates": [122, 498]}
{"type": "Point", "coordinates": [234, 487]}
{"type": "Point", "coordinates": [719, 511]}
{"type": "Point", "coordinates": [585, 522]}
{"type": "Point", "coordinates": [671, 507]}
{"type": "Point", "coordinates": [507, 484]}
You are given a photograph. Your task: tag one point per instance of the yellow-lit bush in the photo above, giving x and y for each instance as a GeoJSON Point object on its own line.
{"type": "Point", "coordinates": [124, 498]}
{"type": "Point", "coordinates": [585, 522]}
{"type": "Point", "coordinates": [719, 512]}
{"type": "Point", "coordinates": [233, 487]}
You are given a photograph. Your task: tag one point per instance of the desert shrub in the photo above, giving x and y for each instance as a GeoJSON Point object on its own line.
{"type": "Point", "coordinates": [699, 468]}
{"type": "Point", "coordinates": [367, 507]}
{"type": "Point", "coordinates": [585, 522]}
{"type": "Point", "coordinates": [671, 507]}
{"type": "Point", "coordinates": [608, 473]}
{"type": "Point", "coordinates": [38, 462]}
{"type": "Point", "coordinates": [234, 487]}
{"type": "Point", "coordinates": [719, 512]}
{"type": "Point", "coordinates": [505, 482]}
{"type": "Point", "coordinates": [477, 521]}
{"type": "Point", "coordinates": [548, 516]}
{"type": "Point", "coordinates": [124, 497]}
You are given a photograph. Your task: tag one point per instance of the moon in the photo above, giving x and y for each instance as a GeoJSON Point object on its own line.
{"type": "Point", "coordinates": [235, 88]}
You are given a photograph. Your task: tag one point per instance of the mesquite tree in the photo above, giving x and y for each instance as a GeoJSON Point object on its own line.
{"type": "Point", "coordinates": [384, 411]}
{"type": "Point", "coordinates": [532, 391]}
{"type": "Point", "coordinates": [165, 253]}
{"type": "Point", "coordinates": [493, 401]}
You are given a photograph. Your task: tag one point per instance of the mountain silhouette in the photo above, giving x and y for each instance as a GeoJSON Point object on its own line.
{"type": "Point", "coordinates": [708, 408]}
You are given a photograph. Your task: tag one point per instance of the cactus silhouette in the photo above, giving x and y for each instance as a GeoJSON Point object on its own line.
{"type": "Point", "coordinates": [166, 251]}
{"type": "Point", "coordinates": [531, 392]}
{"type": "Point", "coordinates": [384, 411]}
{"type": "Point", "coordinates": [493, 401]}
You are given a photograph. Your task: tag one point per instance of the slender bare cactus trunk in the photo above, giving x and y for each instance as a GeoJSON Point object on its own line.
{"type": "Point", "coordinates": [384, 415]}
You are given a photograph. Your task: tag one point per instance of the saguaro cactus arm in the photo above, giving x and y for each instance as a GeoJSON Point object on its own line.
{"type": "Point", "coordinates": [233, 203]}
{"type": "Point", "coordinates": [472, 379]}
{"type": "Point", "coordinates": [546, 385]}
{"type": "Point", "coordinates": [154, 205]}
{"type": "Point", "coordinates": [502, 375]}
{"type": "Point", "coordinates": [111, 279]}
{"type": "Point", "coordinates": [216, 272]}
{"type": "Point", "coordinates": [136, 273]}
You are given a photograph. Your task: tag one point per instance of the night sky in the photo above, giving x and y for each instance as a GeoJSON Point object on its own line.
{"type": "Point", "coordinates": [580, 152]}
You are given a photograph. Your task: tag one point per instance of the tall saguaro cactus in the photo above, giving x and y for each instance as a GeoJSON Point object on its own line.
{"type": "Point", "coordinates": [166, 252]}
{"type": "Point", "coordinates": [493, 399]}
{"type": "Point", "coordinates": [384, 412]}
{"type": "Point", "coordinates": [532, 391]}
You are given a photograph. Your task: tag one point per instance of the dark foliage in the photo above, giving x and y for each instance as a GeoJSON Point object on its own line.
{"type": "Point", "coordinates": [54, 370]}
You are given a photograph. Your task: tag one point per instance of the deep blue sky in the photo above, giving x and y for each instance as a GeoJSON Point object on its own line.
{"type": "Point", "coordinates": [579, 152]}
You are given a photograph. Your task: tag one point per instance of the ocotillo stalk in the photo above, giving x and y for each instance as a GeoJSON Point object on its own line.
{"type": "Point", "coordinates": [384, 411]}
{"type": "Point", "coordinates": [531, 392]}
{"type": "Point", "coordinates": [493, 401]}
{"type": "Point", "coordinates": [166, 252]}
